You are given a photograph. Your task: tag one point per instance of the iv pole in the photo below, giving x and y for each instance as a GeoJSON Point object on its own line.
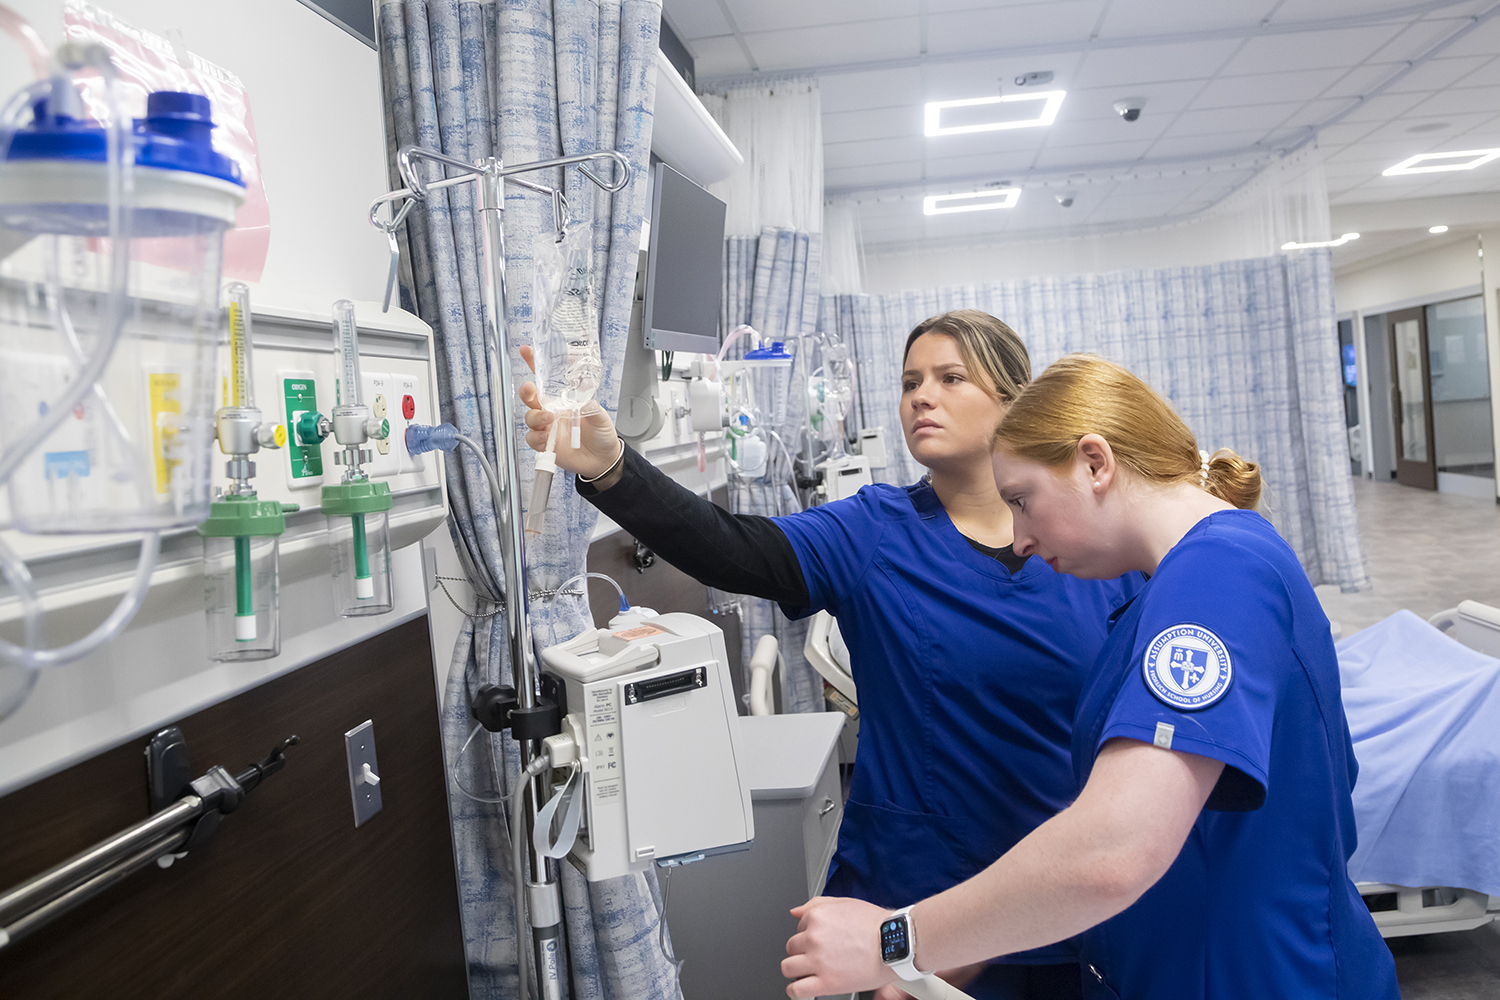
{"type": "Point", "coordinates": [489, 176]}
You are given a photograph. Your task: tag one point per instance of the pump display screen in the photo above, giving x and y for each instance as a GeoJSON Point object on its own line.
{"type": "Point", "coordinates": [685, 266]}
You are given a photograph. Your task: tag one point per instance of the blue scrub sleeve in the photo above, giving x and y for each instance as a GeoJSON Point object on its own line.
{"type": "Point", "coordinates": [835, 545]}
{"type": "Point", "coordinates": [1213, 591]}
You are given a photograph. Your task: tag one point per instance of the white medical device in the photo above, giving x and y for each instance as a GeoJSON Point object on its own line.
{"type": "Point", "coordinates": [664, 779]}
{"type": "Point", "coordinates": [872, 447]}
{"type": "Point", "coordinates": [843, 476]}
{"type": "Point", "coordinates": [829, 655]}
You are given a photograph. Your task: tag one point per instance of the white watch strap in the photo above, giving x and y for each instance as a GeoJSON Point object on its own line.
{"type": "Point", "coordinates": [906, 968]}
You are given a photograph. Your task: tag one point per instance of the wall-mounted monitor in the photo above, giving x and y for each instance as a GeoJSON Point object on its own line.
{"type": "Point", "coordinates": [684, 266]}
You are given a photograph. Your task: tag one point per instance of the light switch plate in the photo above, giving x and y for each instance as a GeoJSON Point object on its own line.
{"type": "Point", "coordinates": [359, 746]}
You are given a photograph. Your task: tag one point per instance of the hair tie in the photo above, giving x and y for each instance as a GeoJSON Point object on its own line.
{"type": "Point", "coordinates": [1203, 469]}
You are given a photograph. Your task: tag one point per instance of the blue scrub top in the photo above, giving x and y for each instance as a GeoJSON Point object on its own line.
{"type": "Point", "coordinates": [968, 681]}
{"type": "Point", "coordinates": [1228, 646]}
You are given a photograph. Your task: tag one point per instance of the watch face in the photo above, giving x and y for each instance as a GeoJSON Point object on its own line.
{"type": "Point", "coordinates": [895, 943]}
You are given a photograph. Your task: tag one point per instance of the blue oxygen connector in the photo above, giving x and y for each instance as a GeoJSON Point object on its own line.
{"type": "Point", "coordinates": [420, 439]}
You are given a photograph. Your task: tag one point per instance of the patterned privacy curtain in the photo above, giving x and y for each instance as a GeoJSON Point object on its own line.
{"type": "Point", "coordinates": [771, 283]}
{"type": "Point", "coordinates": [1245, 350]}
{"type": "Point", "coordinates": [524, 80]}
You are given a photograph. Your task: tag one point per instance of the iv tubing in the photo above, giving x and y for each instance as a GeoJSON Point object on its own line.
{"type": "Point", "coordinates": [538, 764]}
{"type": "Point", "coordinates": [624, 604]}
{"type": "Point", "coordinates": [119, 156]}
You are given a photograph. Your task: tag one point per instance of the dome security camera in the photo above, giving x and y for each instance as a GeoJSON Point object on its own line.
{"type": "Point", "coordinates": [1130, 108]}
{"type": "Point", "coordinates": [1065, 198]}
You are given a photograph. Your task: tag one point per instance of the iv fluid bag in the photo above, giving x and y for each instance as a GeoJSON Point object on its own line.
{"type": "Point", "coordinates": [569, 366]}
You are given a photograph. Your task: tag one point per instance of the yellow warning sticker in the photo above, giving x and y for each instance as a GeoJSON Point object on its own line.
{"type": "Point", "coordinates": [166, 407]}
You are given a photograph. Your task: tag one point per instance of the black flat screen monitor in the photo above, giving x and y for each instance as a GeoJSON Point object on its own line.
{"type": "Point", "coordinates": [684, 266]}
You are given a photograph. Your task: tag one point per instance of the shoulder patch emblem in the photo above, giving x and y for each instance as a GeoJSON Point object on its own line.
{"type": "Point", "coordinates": [1187, 667]}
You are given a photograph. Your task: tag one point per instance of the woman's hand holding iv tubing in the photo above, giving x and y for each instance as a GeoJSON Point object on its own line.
{"type": "Point", "coordinates": [598, 445]}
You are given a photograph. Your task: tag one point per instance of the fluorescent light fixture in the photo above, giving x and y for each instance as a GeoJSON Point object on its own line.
{"type": "Point", "coordinates": [1438, 229]}
{"type": "Point", "coordinates": [1324, 243]}
{"type": "Point", "coordinates": [1466, 159]}
{"type": "Point", "coordinates": [1006, 197]}
{"type": "Point", "coordinates": [1052, 100]}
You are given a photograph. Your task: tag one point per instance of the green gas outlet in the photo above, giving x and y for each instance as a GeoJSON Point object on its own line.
{"type": "Point", "coordinates": [305, 458]}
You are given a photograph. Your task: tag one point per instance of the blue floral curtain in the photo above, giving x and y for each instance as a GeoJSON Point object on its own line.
{"type": "Point", "coordinates": [1245, 350]}
{"type": "Point", "coordinates": [523, 80]}
{"type": "Point", "coordinates": [771, 283]}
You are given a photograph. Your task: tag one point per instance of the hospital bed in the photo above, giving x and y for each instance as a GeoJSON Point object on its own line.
{"type": "Point", "coordinates": [1416, 693]}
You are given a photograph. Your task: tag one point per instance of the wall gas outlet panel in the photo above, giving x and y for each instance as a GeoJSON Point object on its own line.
{"type": "Point", "coordinates": [411, 408]}
{"type": "Point", "coordinates": [304, 459]}
{"type": "Point", "coordinates": [380, 396]}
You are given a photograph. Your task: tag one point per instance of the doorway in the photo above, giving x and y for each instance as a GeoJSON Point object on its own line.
{"type": "Point", "coordinates": [1411, 403]}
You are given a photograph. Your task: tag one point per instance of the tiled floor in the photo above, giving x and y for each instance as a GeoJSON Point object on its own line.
{"type": "Point", "coordinates": [1426, 552]}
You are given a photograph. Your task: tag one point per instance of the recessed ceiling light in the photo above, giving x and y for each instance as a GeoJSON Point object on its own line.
{"type": "Point", "coordinates": [936, 204]}
{"type": "Point", "coordinates": [1466, 159]}
{"type": "Point", "coordinates": [1428, 127]}
{"type": "Point", "coordinates": [1324, 243]}
{"type": "Point", "coordinates": [1051, 101]}
{"type": "Point", "coordinates": [1438, 229]}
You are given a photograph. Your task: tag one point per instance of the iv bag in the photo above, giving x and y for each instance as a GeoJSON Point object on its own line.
{"type": "Point", "coordinates": [569, 367]}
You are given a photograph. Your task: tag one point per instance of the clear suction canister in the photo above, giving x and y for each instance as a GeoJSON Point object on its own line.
{"type": "Point", "coordinates": [769, 371]}
{"type": "Point", "coordinates": [241, 549]}
{"type": "Point", "coordinates": [360, 545]}
{"type": "Point", "coordinates": [134, 450]}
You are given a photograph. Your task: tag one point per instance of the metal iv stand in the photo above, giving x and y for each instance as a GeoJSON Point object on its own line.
{"type": "Point", "coordinates": [489, 176]}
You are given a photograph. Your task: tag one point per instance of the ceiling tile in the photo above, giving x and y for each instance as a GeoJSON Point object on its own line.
{"type": "Point", "coordinates": [1033, 24]}
{"type": "Point", "coordinates": [1486, 75]}
{"type": "Point", "coordinates": [1111, 152]}
{"type": "Point", "coordinates": [1243, 119]}
{"type": "Point", "coordinates": [893, 38]}
{"type": "Point", "coordinates": [1134, 66]}
{"type": "Point", "coordinates": [1266, 88]}
{"type": "Point", "coordinates": [720, 55]}
{"type": "Point", "coordinates": [1006, 166]}
{"type": "Point", "coordinates": [1112, 129]}
{"type": "Point", "coordinates": [1435, 74]}
{"type": "Point", "coordinates": [1482, 41]}
{"type": "Point", "coordinates": [882, 89]}
{"type": "Point", "coordinates": [1383, 107]}
{"type": "Point", "coordinates": [1361, 80]}
{"type": "Point", "coordinates": [1344, 133]}
{"type": "Point", "coordinates": [869, 175]}
{"type": "Point", "coordinates": [1458, 101]}
{"type": "Point", "coordinates": [1310, 50]}
{"type": "Point", "coordinates": [779, 15]}
{"type": "Point", "coordinates": [876, 123]}
{"type": "Point", "coordinates": [1400, 130]}
{"type": "Point", "coordinates": [1315, 113]}
{"type": "Point", "coordinates": [1137, 18]}
{"type": "Point", "coordinates": [1204, 145]}
{"type": "Point", "coordinates": [1418, 38]}
{"type": "Point", "coordinates": [854, 154]}
{"type": "Point", "coordinates": [695, 19]}
{"type": "Point", "coordinates": [1163, 100]}
{"type": "Point", "coordinates": [987, 143]}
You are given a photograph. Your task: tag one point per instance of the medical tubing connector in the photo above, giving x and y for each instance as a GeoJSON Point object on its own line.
{"type": "Point", "coordinates": [119, 156]}
{"type": "Point", "coordinates": [541, 487]}
{"type": "Point", "coordinates": [562, 587]}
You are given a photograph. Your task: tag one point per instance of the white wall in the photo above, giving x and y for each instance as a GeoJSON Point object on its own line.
{"type": "Point", "coordinates": [315, 93]}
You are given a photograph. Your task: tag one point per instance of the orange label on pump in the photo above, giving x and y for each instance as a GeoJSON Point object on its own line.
{"type": "Point", "coordinates": [640, 632]}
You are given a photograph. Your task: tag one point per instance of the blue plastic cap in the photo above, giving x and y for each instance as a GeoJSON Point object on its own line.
{"type": "Point", "coordinates": [174, 135]}
{"type": "Point", "coordinates": [776, 352]}
{"type": "Point", "coordinates": [420, 438]}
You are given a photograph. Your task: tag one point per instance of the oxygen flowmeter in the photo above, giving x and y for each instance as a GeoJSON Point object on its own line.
{"type": "Point", "coordinates": [241, 546]}
{"type": "Point", "coordinates": [357, 509]}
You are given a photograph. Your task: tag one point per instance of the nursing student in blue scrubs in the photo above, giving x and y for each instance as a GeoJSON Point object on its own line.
{"type": "Point", "coordinates": [969, 658]}
{"type": "Point", "coordinates": [1206, 853]}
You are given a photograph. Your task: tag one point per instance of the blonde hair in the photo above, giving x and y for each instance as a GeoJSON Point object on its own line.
{"type": "Point", "coordinates": [1085, 394]}
{"type": "Point", "coordinates": [992, 351]}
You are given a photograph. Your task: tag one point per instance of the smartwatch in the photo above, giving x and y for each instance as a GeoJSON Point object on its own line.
{"type": "Point", "coordinates": [898, 945]}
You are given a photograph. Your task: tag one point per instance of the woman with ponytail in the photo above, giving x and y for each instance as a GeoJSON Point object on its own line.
{"type": "Point", "coordinates": [1206, 853]}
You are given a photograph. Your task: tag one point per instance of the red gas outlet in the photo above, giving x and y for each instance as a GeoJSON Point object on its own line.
{"type": "Point", "coordinates": [408, 407]}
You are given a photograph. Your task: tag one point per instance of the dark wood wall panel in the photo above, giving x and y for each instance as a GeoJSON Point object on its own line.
{"type": "Point", "coordinates": [288, 900]}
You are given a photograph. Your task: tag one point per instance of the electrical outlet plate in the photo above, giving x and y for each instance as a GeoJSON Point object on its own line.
{"type": "Point", "coordinates": [359, 747]}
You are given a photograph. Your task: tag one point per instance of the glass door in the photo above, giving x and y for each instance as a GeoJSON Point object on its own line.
{"type": "Point", "coordinates": [1416, 457]}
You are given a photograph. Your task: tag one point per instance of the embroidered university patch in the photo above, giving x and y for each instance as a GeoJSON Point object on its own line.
{"type": "Point", "coordinates": [1187, 667]}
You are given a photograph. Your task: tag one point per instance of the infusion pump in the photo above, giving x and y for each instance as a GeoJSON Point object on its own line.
{"type": "Point", "coordinates": [650, 704]}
